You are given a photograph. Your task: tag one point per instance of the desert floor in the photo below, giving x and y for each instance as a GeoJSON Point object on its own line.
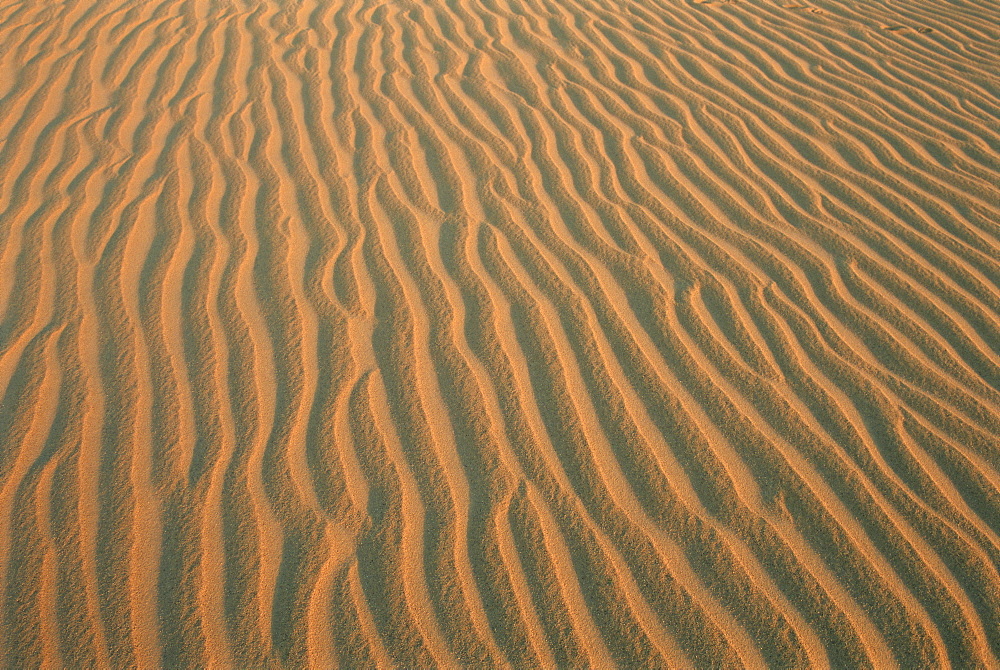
{"type": "Point", "coordinates": [499, 333]}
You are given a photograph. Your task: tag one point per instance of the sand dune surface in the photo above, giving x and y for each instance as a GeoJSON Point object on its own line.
{"type": "Point", "coordinates": [500, 333]}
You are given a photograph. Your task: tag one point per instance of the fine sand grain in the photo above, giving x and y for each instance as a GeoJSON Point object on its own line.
{"type": "Point", "coordinates": [499, 333]}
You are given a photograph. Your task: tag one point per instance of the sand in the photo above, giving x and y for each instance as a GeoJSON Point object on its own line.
{"type": "Point", "coordinates": [499, 333]}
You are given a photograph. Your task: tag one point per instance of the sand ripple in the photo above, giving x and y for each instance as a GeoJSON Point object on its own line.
{"type": "Point", "coordinates": [500, 333]}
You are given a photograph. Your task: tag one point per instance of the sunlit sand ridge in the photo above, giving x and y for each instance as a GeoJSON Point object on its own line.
{"type": "Point", "coordinates": [531, 333]}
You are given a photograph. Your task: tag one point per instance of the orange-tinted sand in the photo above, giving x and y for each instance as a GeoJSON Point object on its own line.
{"type": "Point", "coordinates": [499, 333]}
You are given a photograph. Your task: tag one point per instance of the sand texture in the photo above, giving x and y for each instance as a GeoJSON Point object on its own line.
{"type": "Point", "coordinates": [499, 333]}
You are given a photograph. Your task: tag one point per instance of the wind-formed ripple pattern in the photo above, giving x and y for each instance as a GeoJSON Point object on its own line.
{"type": "Point", "coordinates": [500, 333]}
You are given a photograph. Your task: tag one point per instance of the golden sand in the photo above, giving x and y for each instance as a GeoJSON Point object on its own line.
{"type": "Point", "coordinates": [499, 333]}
